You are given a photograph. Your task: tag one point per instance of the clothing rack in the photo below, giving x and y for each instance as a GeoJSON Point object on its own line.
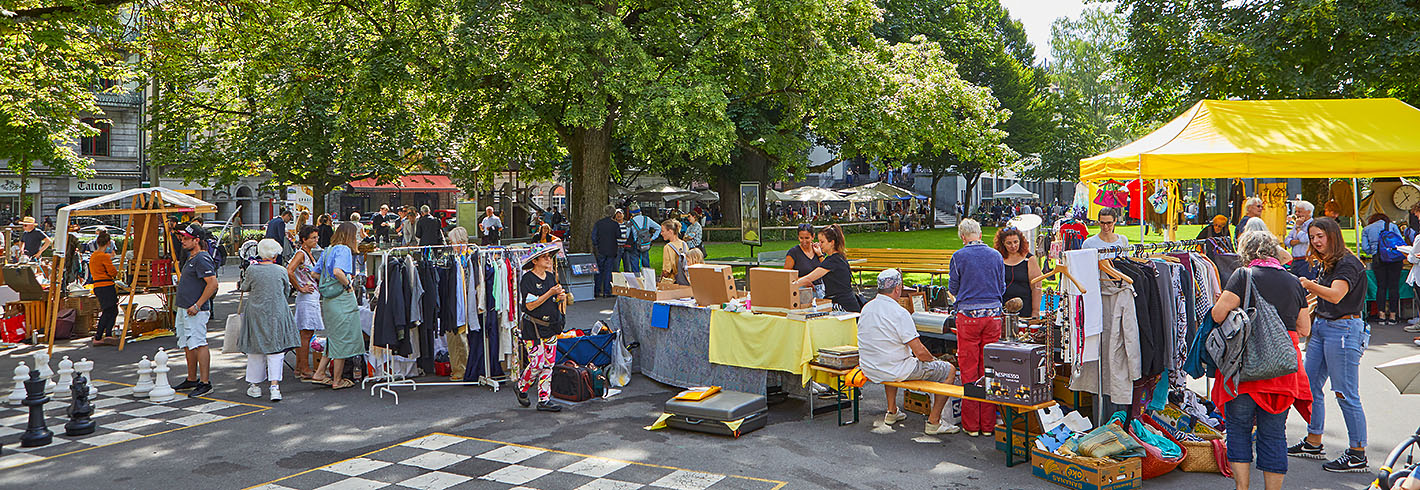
{"type": "Point", "coordinates": [386, 381]}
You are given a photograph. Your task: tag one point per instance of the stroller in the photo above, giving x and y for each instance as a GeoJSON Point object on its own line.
{"type": "Point", "coordinates": [1394, 469]}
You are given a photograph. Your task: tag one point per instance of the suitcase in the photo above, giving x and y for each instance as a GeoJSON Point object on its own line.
{"type": "Point", "coordinates": [751, 424]}
{"type": "Point", "coordinates": [709, 415]}
{"type": "Point", "coordinates": [576, 383]}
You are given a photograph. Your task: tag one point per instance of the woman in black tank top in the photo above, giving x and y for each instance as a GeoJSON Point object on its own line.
{"type": "Point", "coordinates": [806, 257]}
{"type": "Point", "coordinates": [1020, 270]}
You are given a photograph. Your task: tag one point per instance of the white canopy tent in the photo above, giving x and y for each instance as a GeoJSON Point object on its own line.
{"type": "Point", "coordinates": [881, 189]}
{"type": "Point", "coordinates": [149, 203]}
{"type": "Point", "coordinates": [1015, 191]}
{"type": "Point", "coordinates": [815, 194]}
{"type": "Point", "coordinates": [772, 195]}
{"type": "Point", "coordinates": [665, 192]}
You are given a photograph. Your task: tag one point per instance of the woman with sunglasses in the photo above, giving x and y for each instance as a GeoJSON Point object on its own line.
{"type": "Point", "coordinates": [806, 257]}
{"type": "Point", "coordinates": [1109, 218]}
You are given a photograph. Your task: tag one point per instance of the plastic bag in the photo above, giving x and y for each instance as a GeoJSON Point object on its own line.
{"type": "Point", "coordinates": [619, 372]}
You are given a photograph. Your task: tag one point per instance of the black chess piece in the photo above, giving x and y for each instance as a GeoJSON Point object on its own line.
{"type": "Point", "coordinates": [80, 410]}
{"type": "Point", "coordinates": [36, 433]}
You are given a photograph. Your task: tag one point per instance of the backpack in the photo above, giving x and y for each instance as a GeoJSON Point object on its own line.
{"type": "Point", "coordinates": [1226, 343]}
{"type": "Point", "coordinates": [1389, 239]}
{"type": "Point", "coordinates": [643, 235]}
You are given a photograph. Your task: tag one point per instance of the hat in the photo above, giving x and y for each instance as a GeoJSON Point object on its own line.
{"type": "Point", "coordinates": [889, 279]}
{"type": "Point", "coordinates": [28, 220]}
{"type": "Point", "coordinates": [190, 230]}
{"type": "Point", "coordinates": [538, 251]}
{"type": "Point", "coordinates": [1220, 220]}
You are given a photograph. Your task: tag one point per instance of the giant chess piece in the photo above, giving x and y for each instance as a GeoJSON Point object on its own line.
{"type": "Point", "coordinates": [66, 377]}
{"type": "Point", "coordinates": [22, 373]}
{"type": "Point", "coordinates": [80, 410]}
{"type": "Point", "coordinates": [42, 364]}
{"type": "Point", "coordinates": [83, 368]}
{"type": "Point", "coordinates": [145, 377]}
{"type": "Point", "coordinates": [162, 392]}
{"type": "Point", "coordinates": [36, 433]}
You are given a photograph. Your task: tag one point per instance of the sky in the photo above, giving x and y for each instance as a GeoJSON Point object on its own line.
{"type": "Point", "coordinates": [1038, 15]}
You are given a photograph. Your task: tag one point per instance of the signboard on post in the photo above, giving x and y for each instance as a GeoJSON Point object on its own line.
{"type": "Point", "coordinates": [749, 214]}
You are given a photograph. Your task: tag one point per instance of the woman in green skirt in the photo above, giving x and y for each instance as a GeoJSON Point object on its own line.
{"type": "Point", "coordinates": [339, 312]}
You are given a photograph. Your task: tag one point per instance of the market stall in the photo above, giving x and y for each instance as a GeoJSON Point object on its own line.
{"type": "Point", "coordinates": [148, 238]}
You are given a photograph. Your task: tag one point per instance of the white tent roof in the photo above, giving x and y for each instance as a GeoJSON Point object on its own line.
{"type": "Point", "coordinates": [177, 202]}
{"type": "Point", "coordinates": [665, 192]}
{"type": "Point", "coordinates": [814, 194]}
{"type": "Point", "coordinates": [1015, 191]}
{"type": "Point", "coordinates": [771, 195]}
{"type": "Point", "coordinates": [883, 189]}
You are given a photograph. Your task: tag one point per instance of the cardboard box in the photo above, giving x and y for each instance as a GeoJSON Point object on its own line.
{"type": "Point", "coordinates": [1064, 395]}
{"type": "Point", "coordinates": [774, 288]}
{"type": "Point", "coordinates": [1022, 440]}
{"type": "Point", "coordinates": [916, 402]}
{"type": "Point", "coordinates": [652, 295]}
{"type": "Point", "coordinates": [1015, 373]}
{"type": "Point", "coordinates": [1086, 474]}
{"type": "Point", "coordinates": [711, 284]}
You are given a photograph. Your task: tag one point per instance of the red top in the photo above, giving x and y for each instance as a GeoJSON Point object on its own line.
{"type": "Point", "coordinates": [1276, 394]}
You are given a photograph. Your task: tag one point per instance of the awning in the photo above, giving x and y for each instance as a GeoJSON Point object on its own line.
{"type": "Point", "coordinates": [1341, 138]}
{"type": "Point", "coordinates": [408, 183]}
{"type": "Point", "coordinates": [1015, 191]}
{"type": "Point", "coordinates": [175, 201]}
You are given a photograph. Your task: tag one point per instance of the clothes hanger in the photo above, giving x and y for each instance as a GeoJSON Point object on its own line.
{"type": "Point", "coordinates": [1061, 270]}
{"type": "Point", "coordinates": [1114, 274]}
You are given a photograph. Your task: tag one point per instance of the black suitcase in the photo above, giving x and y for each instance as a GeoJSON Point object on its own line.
{"type": "Point", "coordinates": [750, 424]}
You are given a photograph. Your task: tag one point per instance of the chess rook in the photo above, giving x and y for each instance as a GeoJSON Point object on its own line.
{"type": "Point", "coordinates": [145, 377]}
{"type": "Point", "coordinates": [66, 377]}
{"type": "Point", "coordinates": [17, 395]}
{"type": "Point", "coordinates": [36, 432]}
{"type": "Point", "coordinates": [162, 391]}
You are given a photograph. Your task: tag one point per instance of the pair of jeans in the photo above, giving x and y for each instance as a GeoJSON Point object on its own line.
{"type": "Point", "coordinates": [1243, 416]}
{"type": "Point", "coordinates": [1334, 352]}
{"type": "Point", "coordinates": [606, 266]}
{"type": "Point", "coordinates": [108, 310]}
{"type": "Point", "coordinates": [630, 262]}
{"type": "Point", "coordinates": [972, 336]}
{"type": "Point", "coordinates": [1387, 285]}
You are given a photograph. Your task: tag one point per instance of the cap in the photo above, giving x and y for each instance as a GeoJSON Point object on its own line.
{"type": "Point", "coordinates": [191, 230]}
{"type": "Point", "coordinates": [634, 208]}
{"type": "Point", "coordinates": [889, 279]}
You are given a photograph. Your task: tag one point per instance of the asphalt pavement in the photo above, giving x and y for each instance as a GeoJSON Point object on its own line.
{"type": "Point", "coordinates": [315, 426]}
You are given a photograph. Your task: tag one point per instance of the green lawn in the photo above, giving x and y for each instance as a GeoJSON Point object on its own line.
{"type": "Point", "coordinates": [943, 238]}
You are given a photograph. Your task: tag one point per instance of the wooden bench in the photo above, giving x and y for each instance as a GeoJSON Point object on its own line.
{"type": "Point", "coordinates": [1008, 410]}
{"type": "Point", "coordinates": [908, 260]}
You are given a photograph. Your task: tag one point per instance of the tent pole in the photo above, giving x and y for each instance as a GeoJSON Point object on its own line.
{"type": "Point", "coordinates": [1356, 209]}
{"type": "Point", "coordinates": [1142, 236]}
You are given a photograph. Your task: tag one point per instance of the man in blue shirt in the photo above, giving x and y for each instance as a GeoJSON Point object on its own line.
{"type": "Point", "coordinates": [977, 278]}
{"type": "Point", "coordinates": [640, 223]}
{"type": "Point", "coordinates": [276, 230]}
{"type": "Point", "coordinates": [605, 242]}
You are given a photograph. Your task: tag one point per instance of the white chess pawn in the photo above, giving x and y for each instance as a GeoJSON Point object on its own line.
{"type": "Point", "coordinates": [66, 377]}
{"type": "Point", "coordinates": [162, 392]}
{"type": "Point", "coordinates": [22, 373]}
{"type": "Point", "coordinates": [145, 377]}
{"type": "Point", "coordinates": [42, 364]}
{"type": "Point", "coordinates": [83, 368]}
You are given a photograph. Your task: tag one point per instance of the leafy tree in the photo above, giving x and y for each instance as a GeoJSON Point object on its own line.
{"type": "Point", "coordinates": [53, 55]}
{"type": "Point", "coordinates": [315, 95]}
{"type": "Point", "coordinates": [1091, 100]}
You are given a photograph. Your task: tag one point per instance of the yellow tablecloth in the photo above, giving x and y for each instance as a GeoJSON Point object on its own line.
{"type": "Point", "coordinates": [775, 343]}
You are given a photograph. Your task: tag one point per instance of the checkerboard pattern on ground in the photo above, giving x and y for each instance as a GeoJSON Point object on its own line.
{"type": "Point", "coordinates": [121, 416]}
{"type": "Point", "coordinates": [443, 461]}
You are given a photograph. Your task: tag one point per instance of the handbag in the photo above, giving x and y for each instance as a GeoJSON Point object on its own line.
{"type": "Point", "coordinates": [1268, 351]}
{"type": "Point", "coordinates": [232, 334]}
{"type": "Point", "coordinates": [330, 287]}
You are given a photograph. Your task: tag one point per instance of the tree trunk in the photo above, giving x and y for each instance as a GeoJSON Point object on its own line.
{"type": "Point", "coordinates": [319, 191]}
{"type": "Point", "coordinates": [971, 181]}
{"type": "Point", "coordinates": [590, 149]}
{"type": "Point", "coordinates": [932, 199]}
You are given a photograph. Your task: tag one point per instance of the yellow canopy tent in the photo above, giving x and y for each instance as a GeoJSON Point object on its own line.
{"type": "Point", "coordinates": [1274, 139]}
{"type": "Point", "coordinates": [1328, 138]}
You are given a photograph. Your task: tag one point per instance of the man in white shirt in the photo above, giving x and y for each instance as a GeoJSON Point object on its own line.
{"type": "Point", "coordinates": [890, 350]}
{"type": "Point", "coordinates": [1298, 241]}
{"type": "Point", "coordinates": [491, 226]}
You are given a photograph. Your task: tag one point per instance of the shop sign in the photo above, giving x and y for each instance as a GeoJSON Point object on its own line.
{"type": "Point", "coordinates": [94, 187]}
{"type": "Point", "coordinates": [10, 186]}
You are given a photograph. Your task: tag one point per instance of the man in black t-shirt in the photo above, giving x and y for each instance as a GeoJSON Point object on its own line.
{"type": "Point", "coordinates": [427, 229]}
{"type": "Point", "coordinates": [377, 221]}
{"type": "Point", "coordinates": [36, 242]}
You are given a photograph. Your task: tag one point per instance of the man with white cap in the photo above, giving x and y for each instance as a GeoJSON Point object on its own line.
{"type": "Point", "coordinates": [890, 350]}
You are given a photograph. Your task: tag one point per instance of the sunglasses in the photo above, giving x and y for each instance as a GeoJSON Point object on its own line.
{"type": "Point", "coordinates": [1106, 223]}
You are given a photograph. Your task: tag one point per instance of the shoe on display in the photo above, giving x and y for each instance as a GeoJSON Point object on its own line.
{"type": "Point", "coordinates": [1351, 461]}
{"type": "Point", "coordinates": [893, 417]}
{"type": "Point", "coordinates": [941, 428]}
{"type": "Point", "coordinates": [275, 393]}
{"type": "Point", "coordinates": [254, 390]}
{"type": "Point", "coordinates": [1305, 449]}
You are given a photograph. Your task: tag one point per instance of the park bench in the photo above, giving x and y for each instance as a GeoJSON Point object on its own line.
{"type": "Point", "coordinates": [1008, 410]}
{"type": "Point", "coordinates": [908, 260]}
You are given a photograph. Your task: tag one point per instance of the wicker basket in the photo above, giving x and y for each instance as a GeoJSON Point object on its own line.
{"type": "Point", "coordinates": [1199, 457]}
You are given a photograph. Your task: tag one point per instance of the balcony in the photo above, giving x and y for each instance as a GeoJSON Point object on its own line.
{"type": "Point", "coordinates": [130, 100]}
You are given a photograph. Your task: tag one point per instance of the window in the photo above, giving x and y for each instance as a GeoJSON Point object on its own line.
{"type": "Point", "coordinates": [96, 145]}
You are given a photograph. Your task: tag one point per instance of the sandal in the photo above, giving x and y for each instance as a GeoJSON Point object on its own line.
{"type": "Point", "coordinates": [319, 381]}
{"type": "Point", "coordinates": [342, 384]}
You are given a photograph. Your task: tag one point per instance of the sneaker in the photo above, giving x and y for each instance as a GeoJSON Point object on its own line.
{"type": "Point", "coordinates": [1305, 449]}
{"type": "Point", "coordinates": [548, 407]}
{"type": "Point", "coordinates": [187, 384]}
{"type": "Point", "coordinates": [941, 428]}
{"type": "Point", "coordinates": [1412, 328]}
{"type": "Point", "coordinates": [254, 390]}
{"type": "Point", "coordinates": [1351, 461]}
{"type": "Point", "coordinates": [973, 433]}
{"type": "Point", "coordinates": [201, 389]}
{"type": "Point", "coordinates": [893, 417]}
{"type": "Point", "coordinates": [522, 397]}
{"type": "Point", "coordinates": [275, 393]}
